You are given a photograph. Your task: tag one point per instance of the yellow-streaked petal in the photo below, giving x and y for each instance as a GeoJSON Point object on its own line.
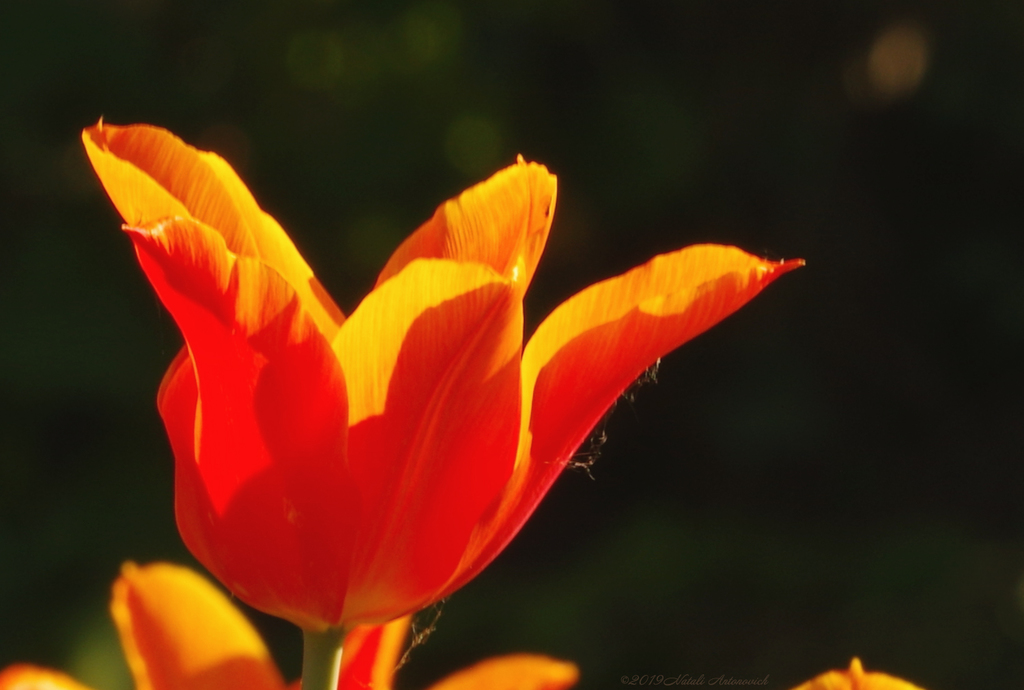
{"type": "Point", "coordinates": [502, 222]}
{"type": "Point", "coordinates": [377, 334]}
{"type": "Point", "coordinates": [150, 174]}
{"type": "Point", "coordinates": [371, 654]}
{"type": "Point", "coordinates": [431, 363]}
{"type": "Point", "coordinates": [513, 672]}
{"type": "Point", "coordinates": [27, 677]}
{"type": "Point", "coordinates": [635, 318]}
{"type": "Point", "coordinates": [855, 678]}
{"type": "Point", "coordinates": [591, 348]}
{"type": "Point", "coordinates": [179, 632]}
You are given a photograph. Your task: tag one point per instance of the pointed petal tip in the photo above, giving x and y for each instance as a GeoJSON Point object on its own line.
{"type": "Point", "coordinates": [96, 134]}
{"type": "Point", "coordinates": [770, 270]}
{"type": "Point", "coordinates": [786, 265]}
{"type": "Point", "coordinates": [522, 162]}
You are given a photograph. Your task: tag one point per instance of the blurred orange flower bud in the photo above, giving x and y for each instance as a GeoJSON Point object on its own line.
{"type": "Point", "coordinates": [854, 678]}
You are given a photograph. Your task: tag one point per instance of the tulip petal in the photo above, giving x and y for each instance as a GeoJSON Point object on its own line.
{"type": "Point", "coordinates": [431, 361]}
{"type": "Point", "coordinates": [150, 174]}
{"type": "Point", "coordinates": [177, 401]}
{"type": "Point", "coordinates": [27, 677]}
{"type": "Point", "coordinates": [588, 351]}
{"type": "Point", "coordinates": [502, 222]}
{"type": "Point", "coordinates": [856, 679]}
{"type": "Point", "coordinates": [179, 631]}
{"type": "Point", "coordinates": [371, 654]}
{"type": "Point", "coordinates": [256, 413]}
{"type": "Point", "coordinates": [595, 344]}
{"type": "Point", "coordinates": [513, 672]}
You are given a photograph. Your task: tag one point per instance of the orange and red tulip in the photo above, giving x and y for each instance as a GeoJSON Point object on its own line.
{"type": "Point", "coordinates": [179, 632]}
{"type": "Point", "coordinates": [338, 471]}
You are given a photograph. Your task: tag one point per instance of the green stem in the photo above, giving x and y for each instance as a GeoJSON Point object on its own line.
{"type": "Point", "coordinates": [321, 658]}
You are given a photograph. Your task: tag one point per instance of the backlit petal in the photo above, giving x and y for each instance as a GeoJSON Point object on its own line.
{"type": "Point", "coordinates": [595, 344]}
{"type": "Point", "coordinates": [26, 677]}
{"type": "Point", "coordinates": [855, 678]}
{"type": "Point", "coordinates": [513, 672]}
{"type": "Point", "coordinates": [257, 418]}
{"type": "Point", "coordinates": [179, 631]}
{"type": "Point", "coordinates": [177, 401]}
{"type": "Point", "coordinates": [371, 654]}
{"type": "Point", "coordinates": [588, 351]}
{"type": "Point", "coordinates": [502, 222]}
{"type": "Point", "coordinates": [431, 361]}
{"type": "Point", "coordinates": [150, 174]}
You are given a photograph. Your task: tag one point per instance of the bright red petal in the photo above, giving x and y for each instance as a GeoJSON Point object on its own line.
{"type": "Point", "coordinates": [431, 360]}
{"type": "Point", "coordinates": [257, 419]}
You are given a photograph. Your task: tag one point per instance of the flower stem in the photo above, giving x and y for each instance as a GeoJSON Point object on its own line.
{"type": "Point", "coordinates": [321, 658]}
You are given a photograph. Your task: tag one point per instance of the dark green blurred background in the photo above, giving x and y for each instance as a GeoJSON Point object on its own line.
{"type": "Point", "coordinates": [836, 470]}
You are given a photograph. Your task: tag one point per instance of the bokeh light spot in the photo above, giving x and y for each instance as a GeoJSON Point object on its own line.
{"type": "Point", "coordinates": [898, 60]}
{"type": "Point", "coordinates": [892, 68]}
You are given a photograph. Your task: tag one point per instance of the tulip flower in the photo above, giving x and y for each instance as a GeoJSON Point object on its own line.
{"type": "Point", "coordinates": [180, 633]}
{"type": "Point", "coordinates": [339, 471]}
{"type": "Point", "coordinates": [855, 678]}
